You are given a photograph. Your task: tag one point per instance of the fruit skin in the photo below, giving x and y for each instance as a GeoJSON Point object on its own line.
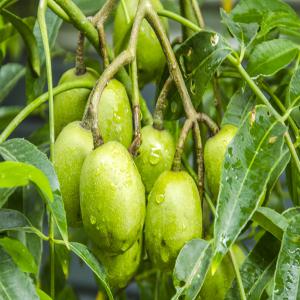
{"type": "Point", "coordinates": [114, 114]}
{"type": "Point", "coordinates": [155, 155]}
{"type": "Point", "coordinates": [71, 147]}
{"type": "Point", "coordinates": [216, 286]}
{"type": "Point", "coordinates": [112, 198]}
{"type": "Point", "coordinates": [120, 268]}
{"type": "Point", "coordinates": [174, 217]}
{"type": "Point", "coordinates": [214, 154]}
{"type": "Point", "coordinates": [150, 56]}
{"type": "Point", "coordinates": [69, 106]}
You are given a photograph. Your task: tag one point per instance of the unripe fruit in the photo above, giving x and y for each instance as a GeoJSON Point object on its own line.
{"type": "Point", "coordinates": [155, 154]}
{"type": "Point", "coordinates": [112, 198]}
{"type": "Point", "coordinates": [70, 149]}
{"type": "Point", "coordinates": [69, 106]}
{"type": "Point", "coordinates": [173, 217]}
{"type": "Point", "coordinates": [150, 56]}
{"type": "Point", "coordinates": [120, 268]}
{"type": "Point", "coordinates": [114, 114]}
{"type": "Point", "coordinates": [216, 286]}
{"type": "Point", "coordinates": [214, 154]}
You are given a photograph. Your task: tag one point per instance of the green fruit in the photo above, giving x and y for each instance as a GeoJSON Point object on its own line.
{"type": "Point", "coordinates": [155, 154]}
{"type": "Point", "coordinates": [120, 268]}
{"type": "Point", "coordinates": [69, 106]}
{"type": "Point", "coordinates": [112, 198]}
{"type": "Point", "coordinates": [70, 149]}
{"type": "Point", "coordinates": [214, 154]}
{"type": "Point", "coordinates": [173, 217]}
{"type": "Point", "coordinates": [114, 114]}
{"type": "Point", "coordinates": [216, 286]}
{"type": "Point", "coordinates": [150, 56]}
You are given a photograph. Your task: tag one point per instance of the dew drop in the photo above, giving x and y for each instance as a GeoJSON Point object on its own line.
{"type": "Point", "coordinates": [92, 220]}
{"type": "Point", "coordinates": [160, 199]}
{"type": "Point", "coordinates": [154, 156]}
{"type": "Point", "coordinates": [117, 118]}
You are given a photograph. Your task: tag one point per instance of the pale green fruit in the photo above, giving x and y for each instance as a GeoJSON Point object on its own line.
{"type": "Point", "coordinates": [112, 198]}
{"type": "Point", "coordinates": [173, 218]}
{"type": "Point", "coordinates": [114, 114]}
{"type": "Point", "coordinates": [69, 105]}
{"type": "Point", "coordinates": [216, 286]}
{"type": "Point", "coordinates": [150, 56]}
{"type": "Point", "coordinates": [155, 154]}
{"type": "Point", "coordinates": [72, 146]}
{"type": "Point", "coordinates": [214, 154]}
{"type": "Point", "coordinates": [120, 268]}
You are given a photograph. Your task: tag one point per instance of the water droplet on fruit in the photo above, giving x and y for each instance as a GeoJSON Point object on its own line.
{"type": "Point", "coordinates": [92, 220]}
{"type": "Point", "coordinates": [160, 199]}
{"type": "Point", "coordinates": [117, 118]}
{"type": "Point", "coordinates": [154, 156]}
{"type": "Point", "coordinates": [173, 107]}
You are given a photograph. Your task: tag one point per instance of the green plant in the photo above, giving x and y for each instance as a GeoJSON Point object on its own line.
{"type": "Point", "coordinates": [156, 199]}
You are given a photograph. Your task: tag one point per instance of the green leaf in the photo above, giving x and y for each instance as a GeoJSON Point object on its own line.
{"type": "Point", "coordinates": [269, 57]}
{"type": "Point", "coordinates": [293, 182]}
{"type": "Point", "coordinates": [7, 113]}
{"type": "Point", "coordinates": [257, 269]}
{"type": "Point", "coordinates": [248, 165]}
{"type": "Point", "coordinates": [43, 295]}
{"type": "Point", "coordinates": [14, 220]}
{"type": "Point", "coordinates": [294, 88]}
{"type": "Point", "coordinates": [20, 254]}
{"type": "Point", "coordinates": [14, 174]}
{"type": "Point", "coordinates": [28, 38]}
{"type": "Point", "coordinates": [191, 266]}
{"type": "Point", "coordinates": [10, 74]}
{"type": "Point", "coordinates": [5, 194]}
{"type": "Point", "coordinates": [24, 151]}
{"type": "Point", "coordinates": [4, 3]}
{"type": "Point", "coordinates": [249, 11]}
{"type": "Point", "coordinates": [271, 221]}
{"type": "Point", "coordinates": [244, 33]}
{"type": "Point", "coordinates": [281, 20]}
{"type": "Point", "coordinates": [239, 106]}
{"type": "Point", "coordinates": [90, 260]}
{"type": "Point", "coordinates": [199, 57]}
{"type": "Point", "coordinates": [35, 86]}
{"type": "Point", "coordinates": [287, 274]}
{"type": "Point", "coordinates": [14, 285]}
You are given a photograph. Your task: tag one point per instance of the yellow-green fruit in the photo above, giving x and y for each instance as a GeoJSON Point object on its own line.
{"type": "Point", "coordinates": [155, 154]}
{"type": "Point", "coordinates": [214, 154]}
{"type": "Point", "coordinates": [120, 268]}
{"type": "Point", "coordinates": [114, 114]}
{"type": "Point", "coordinates": [173, 217]}
{"type": "Point", "coordinates": [112, 198]}
{"type": "Point", "coordinates": [72, 146]}
{"type": "Point", "coordinates": [216, 286]}
{"type": "Point", "coordinates": [150, 56]}
{"type": "Point", "coordinates": [69, 106]}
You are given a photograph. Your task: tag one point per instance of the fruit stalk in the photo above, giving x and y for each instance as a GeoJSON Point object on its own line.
{"type": "Point", "coordinates": [79, 60]}
{"type": "Point", "coordinates": [199, 158]}
{"type": "Point", "coordinates": [161, 104]}
{"type": "Point", "coordinates": [202, 117]}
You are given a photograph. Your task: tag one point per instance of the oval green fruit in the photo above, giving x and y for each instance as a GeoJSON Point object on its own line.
{"type": "Point", "coordinates": [155, 154]}
{"type": "Point", "coordinates": [150, 56]}
{"type": "Point", "coordinates": [70, 149]}
{"type": "Point", "coordinates": [69, 106]}
{"type": "Point", "coordinates": [214, 154]}
{"type": "Point", "coordinates": [120, 268]}
{"type": "Point", "coordinates": [112, 198]}
{"type": "Point", "coordinates": [114, 114]}
{"type": "Point", "coordinates": [174, 217]}
{"type": "Point", "coordinates": [216, 286]}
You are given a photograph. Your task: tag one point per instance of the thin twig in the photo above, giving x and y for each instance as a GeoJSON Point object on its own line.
{"type": "Point", "coordinates": [202, 117]}
{"type": "Point", "coordinates": [161, 104]}
{"type": "Point", "coordinates": [79, 61]}
{"type": "Point", "coordinates": [199, 157]}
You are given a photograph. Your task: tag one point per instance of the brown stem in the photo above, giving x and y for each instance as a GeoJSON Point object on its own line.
{"type": "Point", "coordinates": [199, 157]}
{"type": "Point", "coordinates": [161, 104]}
{"type": "Point", "coordinates": [80, 67]}
{"type": "Point", "coordinates": [104, 12]}
{"type": "Point", "coordinates": [137, 132]}
{"type": "Point", "coordinates": [180, 144]}
{"type": "Point", "coordinates": [198, 13]}
{"type": "Point", "coordinates": [102, 42]}
{"type": "Point", "coordinates": [86, 121]}
{"type": "Point", "coordinates": [202, 117]}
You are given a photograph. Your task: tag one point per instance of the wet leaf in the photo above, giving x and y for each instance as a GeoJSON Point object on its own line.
{"type": "Point", "coordinates": [191, 266]}
{"type": "Point", "coordinates": [249, 162]}
{"type": "Point", "coordinates": [14, 220]}
{"type": "Point", "coordinates": [10, 74]}
{"type": "Point", "coordinates": [269, 57]}
{"type": "Point", "coordinates": [20, 254]}
{"type": "Point", "coordinates": [14, 284]}
{"type": "Point", "coordinates": [28, 37]}
{"type": "Point", "coordinates": [23, 151]}
{"type": "Point", "coordinates": [257, 269]}
{"type": "Point", "coordinates": [287, 274]}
